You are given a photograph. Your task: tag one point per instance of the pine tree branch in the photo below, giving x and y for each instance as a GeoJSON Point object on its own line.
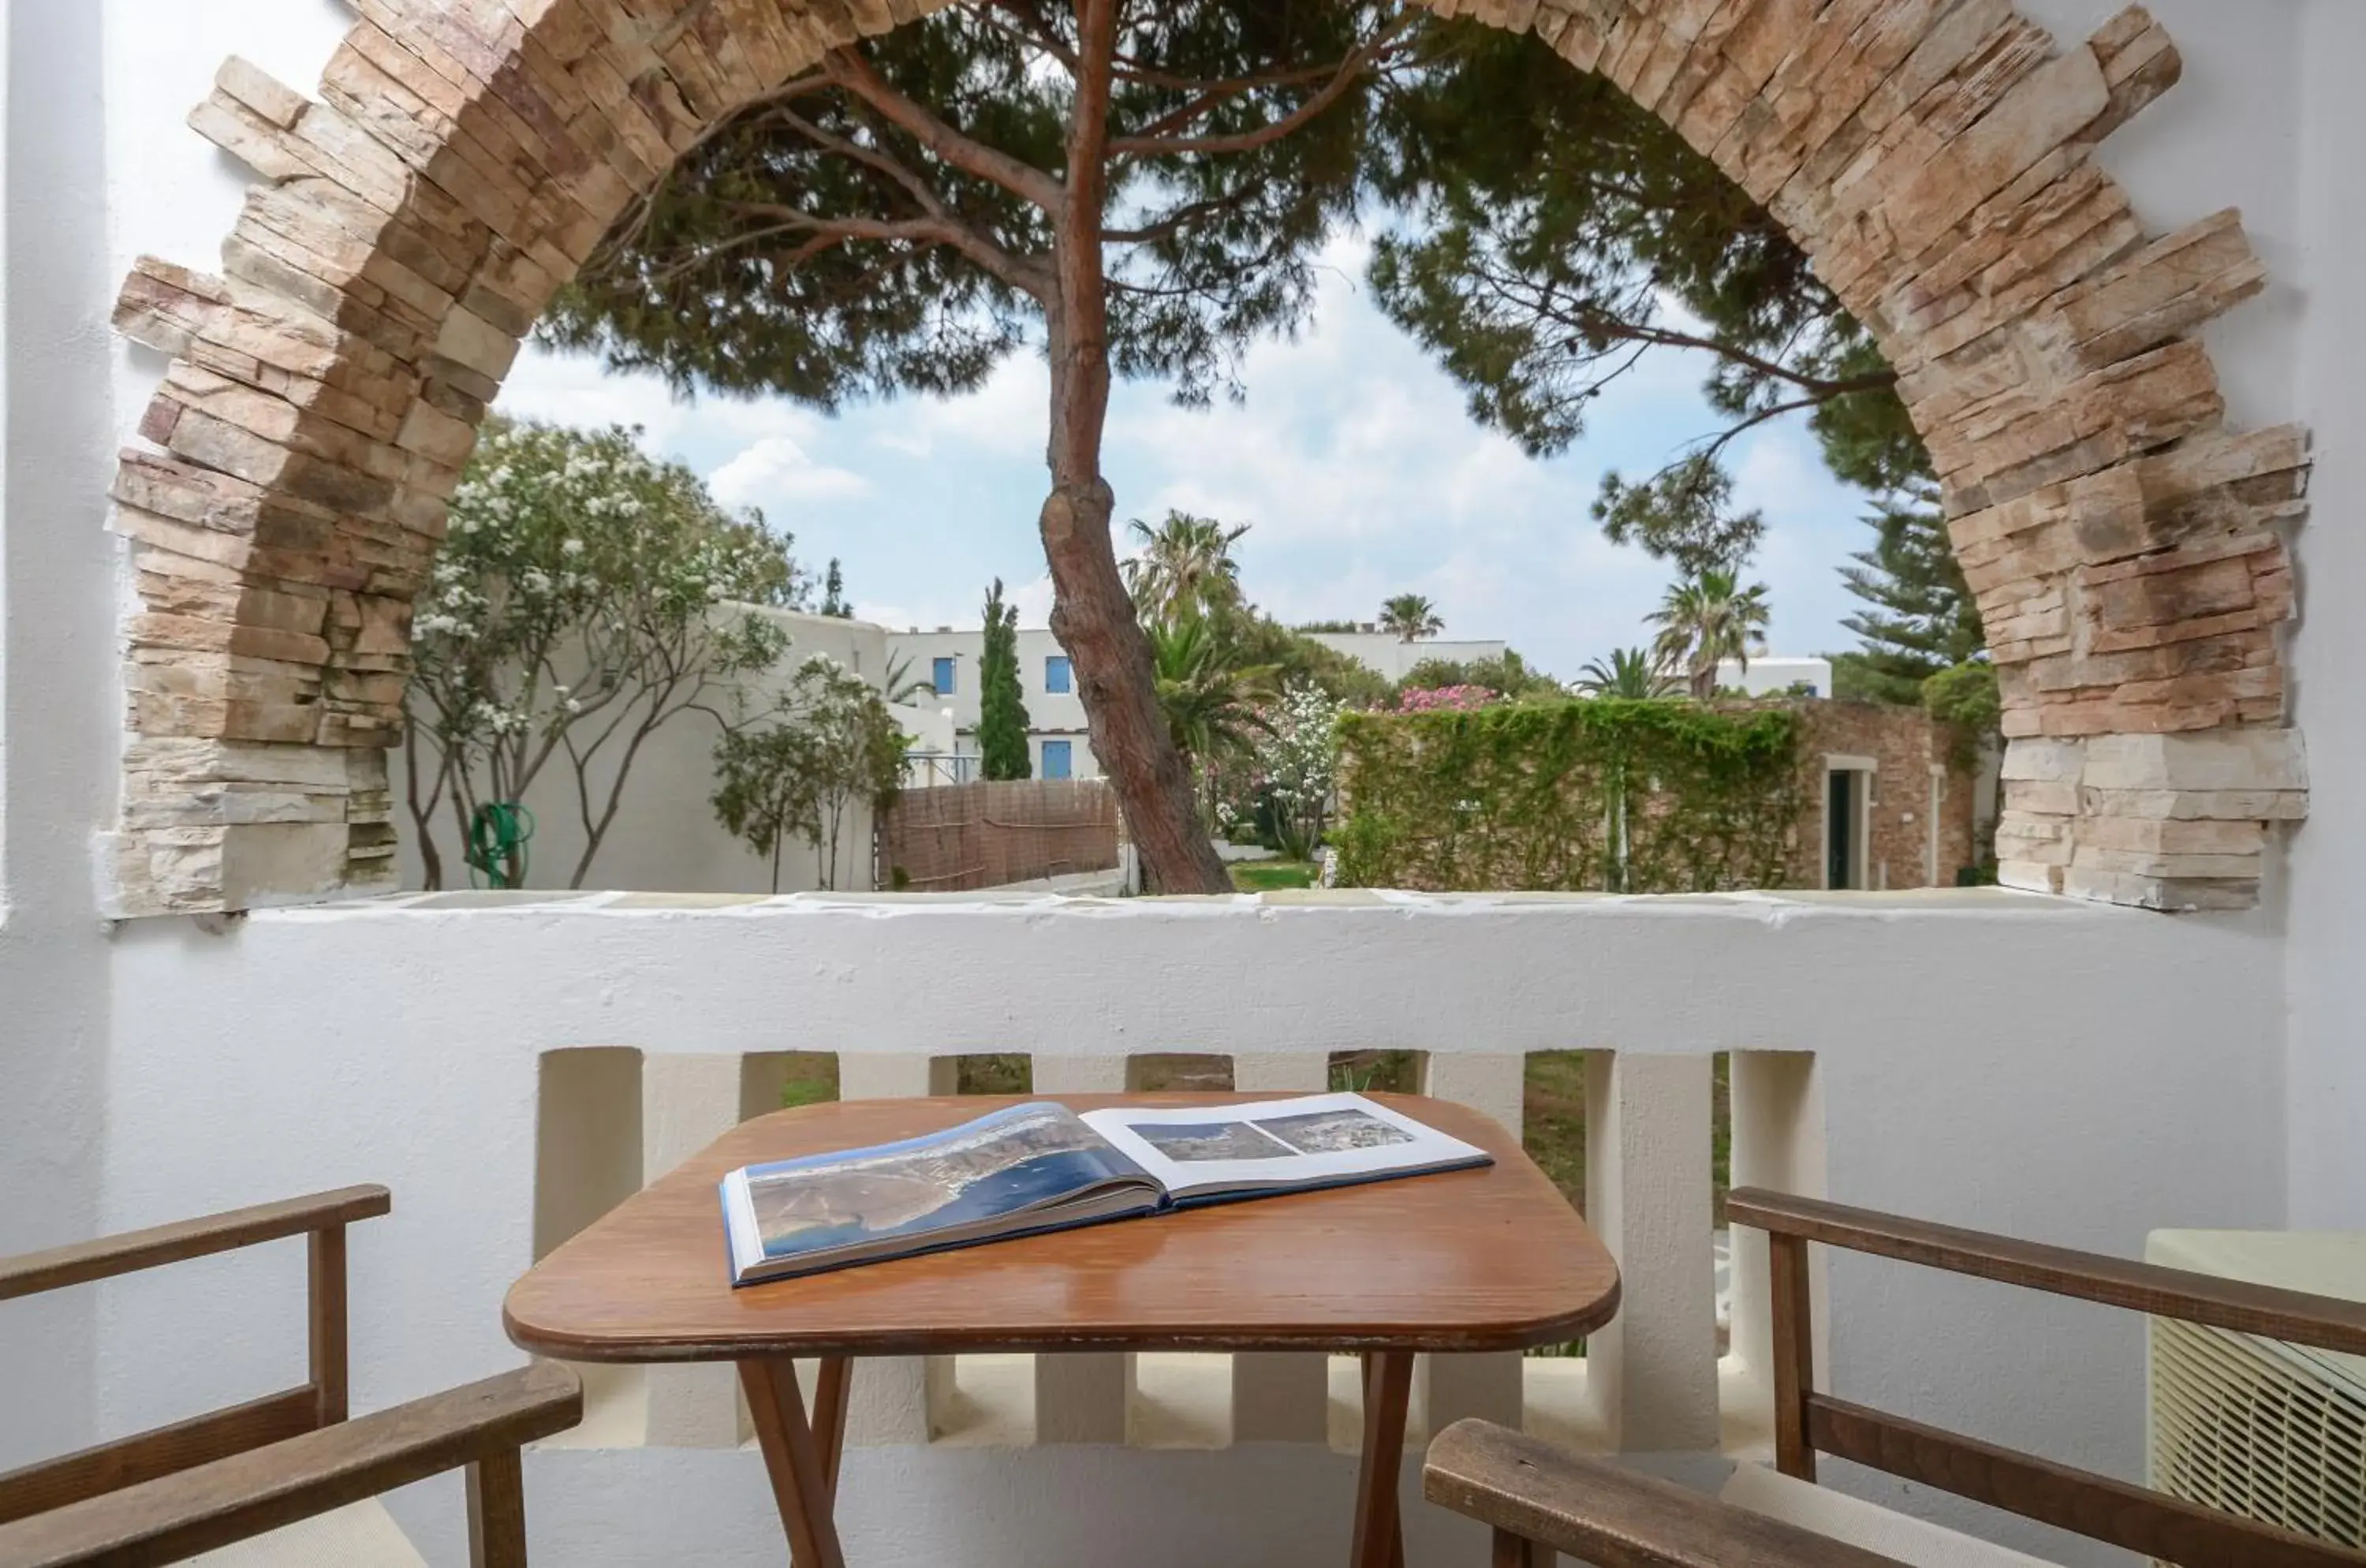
{"type": "Point", "coordinates": [1182, 218]}
{"type": "Point", "coordinates": [825, 234]}
{"type": "Point", "coordinates": [672, 272]}
{"type": "Point", "coordinates": [1034, 29]}
{"type": "Point", "coordinates": [1590, 320]}
{"type": "Point", "coordinates": [1819, 389]}
{"type": "Point", "coordinates": [1213, 96]}
{"type": "Point", "coordinates": [1345, 75]}
{"type": "Point", "coordinates": [849, 68]}
{"type": "Point", "coordinates": [1715, 445]}
{"type": "Point", "coordinates": [626, 234]}
{"type": "Point", "coordinates": [920, 190]}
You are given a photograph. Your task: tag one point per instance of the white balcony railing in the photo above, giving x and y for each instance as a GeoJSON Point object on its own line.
{"type": "Point", "coordinates": [512, 1065]}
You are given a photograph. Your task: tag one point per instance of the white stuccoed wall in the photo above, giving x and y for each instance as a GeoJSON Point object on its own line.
{"type": "Point", "coordinates": [59, 725]}
{"type": "Point", "coordinates": [665, 836]}
{"type": "Point", "coordinates": [1969, 1065]}
{"type": "Point", "coordinates": [2328, 1073]}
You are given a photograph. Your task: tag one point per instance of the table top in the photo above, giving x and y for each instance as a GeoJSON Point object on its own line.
{"type": "Point", "coordinates": [1485, 1259]}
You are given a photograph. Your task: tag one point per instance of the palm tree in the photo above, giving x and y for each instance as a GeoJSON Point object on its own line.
{"type": "Point", "coordinates": [1212, 703]}
{"type": "Point", "coordinates": [1412, 617]}
{"type": "Point", "coordinates": [1186, 566]}
{"type": "Point", "coordinates": [902, 686]}
{"type": "Point", "coordinates": [1708, 619]}
{"type": "Point", "coordinates": [1630, 673]}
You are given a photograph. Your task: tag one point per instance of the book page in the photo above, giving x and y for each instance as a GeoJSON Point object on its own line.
{"type": "Point", "coordinates": [900, 1197]}
{"type": "Point", "coordinates": [1311, 1141]}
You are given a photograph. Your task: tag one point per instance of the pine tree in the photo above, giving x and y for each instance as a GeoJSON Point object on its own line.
{"type": "Point", "coordinates": [1140, 191]}
{"type": "Point", "coordinates": [1684, 516]}
{"type": "Point", "coordinates": [1001, 709]}
{"type": "Point", "coordinates": [1558, 231]}
{"type": "Point", "coordinates": [1921, 617]}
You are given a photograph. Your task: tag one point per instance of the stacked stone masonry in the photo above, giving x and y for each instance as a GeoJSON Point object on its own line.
{"type": "Point", "coordinates": [1933, 156]}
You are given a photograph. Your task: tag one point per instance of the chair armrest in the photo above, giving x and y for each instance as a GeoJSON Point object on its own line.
{"type": "Point", "coordinates": [33, 1272]}
{"type": "Point", "coordinates": [2325, 1323]}
{"type": "Point", "coordinates": [1609, 1517]}
{"type": "Point", "coordinates": [260, 1490]}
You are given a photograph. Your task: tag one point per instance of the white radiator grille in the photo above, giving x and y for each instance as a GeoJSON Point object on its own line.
{"type": "Point", "coordinates": [2258, 1429]}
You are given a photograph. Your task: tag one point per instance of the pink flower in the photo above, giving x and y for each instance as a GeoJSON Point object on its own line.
{"type": "Point", "coordinates": [1446, 699]}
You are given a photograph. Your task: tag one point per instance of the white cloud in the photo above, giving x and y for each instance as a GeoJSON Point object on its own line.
{"type": "Point", "coordinates": [777, 472]}
{"type": "Point", "coordinates": [1779, 474]}
{"type": "Point", "coordinates": [577, 389]}
{"type": "Point", "coordinates": [1813, 521]}
{"type": "Point", "coordinates": [1011, 413]}
{"type": "Point", "coordinates": [1032, 599]}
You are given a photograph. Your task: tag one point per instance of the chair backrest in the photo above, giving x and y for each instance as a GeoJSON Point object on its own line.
{"type": "Point", "coordinates": [1808, 1423]}
{"type": "Point", "coordinates": [319, 1401]}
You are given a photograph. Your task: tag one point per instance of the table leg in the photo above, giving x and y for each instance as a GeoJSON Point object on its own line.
{"type": "Point", "coordinates": [800, 1460]}
{"type": "Point", "coordinates": [829, 1415]}
{"type": "Point", "coordinates": [1388, 1385]}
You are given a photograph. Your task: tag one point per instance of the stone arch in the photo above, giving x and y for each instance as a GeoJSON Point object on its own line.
{"type": "Point", "coordinates": [463, 157]}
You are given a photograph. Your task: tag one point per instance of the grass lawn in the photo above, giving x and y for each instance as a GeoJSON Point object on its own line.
{"type": "Point", "coordinates": [813, 1079]}
{"type": "Point", "coordinates": [1272, 875]}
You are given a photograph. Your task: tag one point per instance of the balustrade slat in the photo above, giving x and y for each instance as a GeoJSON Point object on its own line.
{"type": "Point", "coordinates": [1652, 1374]}
{"type": "Point", "coordinates": [897, 1400]}
{"type": "Point", "coordinates": [1447, 1388]}
{"type": "Point", "coordinates": [688, 1100]}
{"type": "Point", "coordinates": [1081, 1398]}
{"type": "Point", "coordinates": [1281, 1397]}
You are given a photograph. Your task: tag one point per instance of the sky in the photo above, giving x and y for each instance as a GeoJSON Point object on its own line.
{"type": "Point", "coordinates": [1352, 456]}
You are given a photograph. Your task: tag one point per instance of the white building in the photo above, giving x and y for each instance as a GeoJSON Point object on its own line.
{"type": "Point", "coordinates": [1057, 742]}
{"type": "Point", "coordinates": [1393, 657]}
{"type": "Point", "coordinates": [211, 998]}
{"type": "Point", "coordinates": [1777, 677]}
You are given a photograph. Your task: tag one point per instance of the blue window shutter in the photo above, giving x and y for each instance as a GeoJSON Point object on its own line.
{"type": "Point", "coordinates": [942, 679]}
{"type": "Point", "coordinates": [1058, 759]}
{"type": "Point", "coordinates": [1059, 676]}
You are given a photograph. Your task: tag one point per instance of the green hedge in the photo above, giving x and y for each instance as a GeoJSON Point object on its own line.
{"type": "Point", "coordinates": [1529, 797]}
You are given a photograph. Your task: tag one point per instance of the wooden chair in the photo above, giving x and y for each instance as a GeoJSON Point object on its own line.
{"type": "Point", "coordinates": [224, 1477]}
{"type": "Point", "coordinates": [1538, 1500]}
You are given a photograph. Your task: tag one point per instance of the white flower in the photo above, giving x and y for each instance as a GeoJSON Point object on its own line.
{"type": "Point", "coordinates": [572, 547]}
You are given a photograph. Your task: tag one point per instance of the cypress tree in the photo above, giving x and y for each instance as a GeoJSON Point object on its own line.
{"type": "Point", "coordinates": [833, 594]}
{"type": "Point", "coordinates": [1001, 709]}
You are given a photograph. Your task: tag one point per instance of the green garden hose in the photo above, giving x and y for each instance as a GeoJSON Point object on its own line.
{"type": "Point", "coordinates": [499, 831]}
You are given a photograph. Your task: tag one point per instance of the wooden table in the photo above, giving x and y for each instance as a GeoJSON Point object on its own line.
{"type": "Point", "coordinates": [1472, 1260]}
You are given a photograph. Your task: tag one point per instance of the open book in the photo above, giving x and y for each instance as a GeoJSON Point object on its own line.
{"type": "Point", "coordinates": [1039, 1167]}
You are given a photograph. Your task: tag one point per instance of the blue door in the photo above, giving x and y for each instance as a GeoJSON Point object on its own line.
{"type": "Point", "coordinates": [1059, 759]}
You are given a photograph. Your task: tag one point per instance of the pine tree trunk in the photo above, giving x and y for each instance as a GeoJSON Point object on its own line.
{"type": "Point", "coordinates": [1091, 613]}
